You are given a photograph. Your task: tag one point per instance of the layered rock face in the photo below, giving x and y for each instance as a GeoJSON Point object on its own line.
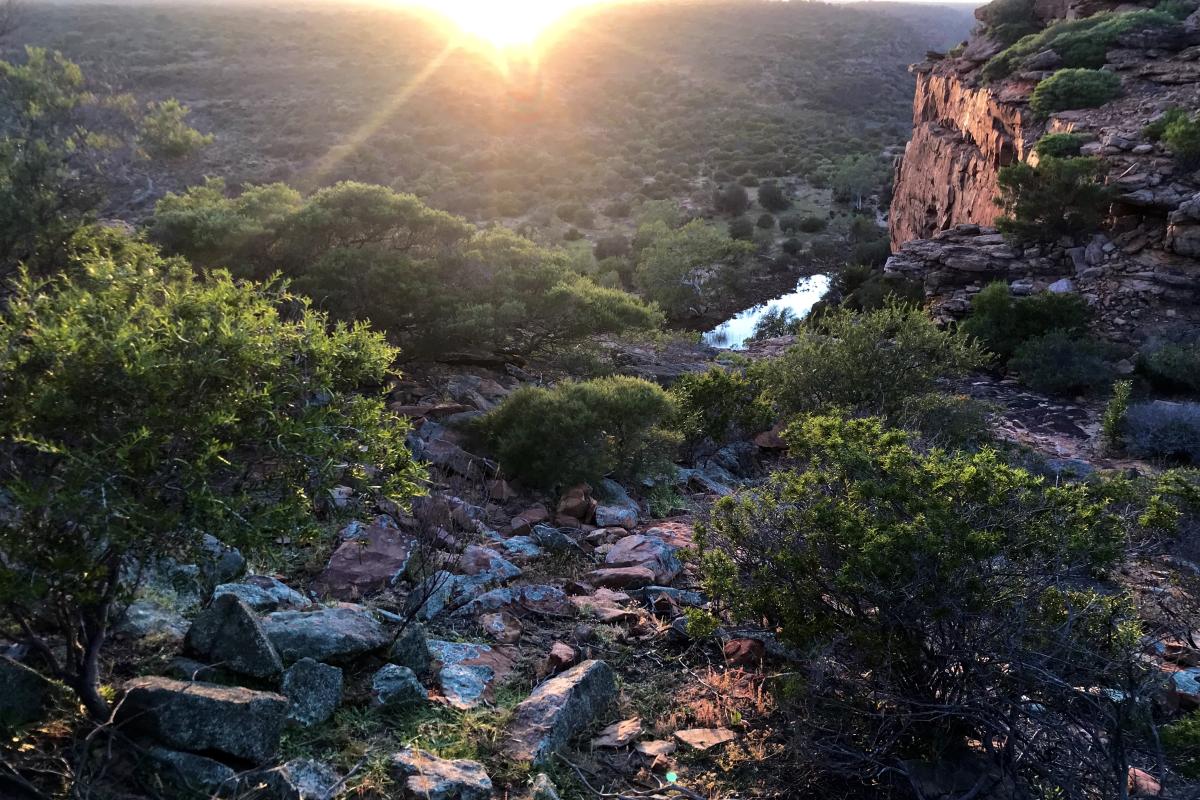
{"type": "Point", "coordinates": [1141, 272]}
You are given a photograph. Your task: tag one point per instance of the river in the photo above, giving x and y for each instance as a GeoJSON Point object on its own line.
{"type": "Point", "coordinates": [734, 332]}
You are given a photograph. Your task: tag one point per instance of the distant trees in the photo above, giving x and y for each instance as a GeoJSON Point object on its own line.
{"type": "Point", "coordinates": [428, 278]}
{"type": "Point", "coordinates": [731, 199]}
{"type": "Point", "coordinates": [772, 198]}
{"type": "Point", "coordinates": [685, 268]}
{"type": "Point", "coordinates": [855, 177]}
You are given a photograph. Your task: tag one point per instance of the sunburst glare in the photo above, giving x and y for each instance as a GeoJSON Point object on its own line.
{"type": "Point", "coordinates": [504, 23]}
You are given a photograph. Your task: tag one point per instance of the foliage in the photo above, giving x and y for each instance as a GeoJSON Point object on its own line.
{"type": "Point", "coordinates": [1182, 137]}
{"type": "Point", "coordinates": [871, 362]}
{"type": "Point", "coordinates": [766, 222]}
{"type": "Point", "coordinates": [776, 321]}
{"type": "Point", "coordinates": [428, 278]}
{"type": "Point", "coordinates": [945, 420]}
{"type": "Point", "coordinates": [582, 431]}
{"type": "Point", "coordinates": [720, 405]}
{"type": "Point", "coordinates": [1074, 88]}
{"type": "Point", "coordinates": [680, 269]}
{"type": "Point", "coordinates": [1009, 20]}
{"type": "Point", "coordinates": [1062, 362]}
{"type": "Point", "coordinates": [854, 177]}
{"type": "Point", "coordinates": [1059, 145]}
{"type": "Point", "coordinates": [1164, 430]}
{"type": "Point", "coordinates": [1172, 366]}
{"type": "Point", "coordinates": [1181, 740]}
{"type": "Point", "coordinates": [741, 229]}
{"type": "Point", "coordinates": [164, 133]}
{"type": "Point", "coordinates": [57, 141]}
{"type": "Point", "coordinates": [1078, 42]}
{"type": "Point", "coordinates": [1154, 131]}
{"type": "Point", "coordinates": [1002, 322]}
{"type": "Point", "coordinates": [1058, 197]}
{"type": "Point", "coordinates": [772, 198]}
{"type": "Point", "coordinates": [896, 568]}
{"type": "Point", "coordinates": [1112, 423]}
{"type": "Point", "coordinates": [731, 199]}
{"type": "Point", "coordinates": [145, 406]}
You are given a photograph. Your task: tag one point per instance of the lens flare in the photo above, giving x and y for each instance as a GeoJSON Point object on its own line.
{"type": "Point", "coordinates": [503, 23]}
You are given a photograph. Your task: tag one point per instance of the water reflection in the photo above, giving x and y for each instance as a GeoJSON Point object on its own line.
{"type": "Point", "coordinates": [735, 332]}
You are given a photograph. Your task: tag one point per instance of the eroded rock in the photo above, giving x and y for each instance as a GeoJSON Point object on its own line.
{"type": "Point", "coordinates": [558, 709]}
{"type": "Point", "coordinates": [337, 635]}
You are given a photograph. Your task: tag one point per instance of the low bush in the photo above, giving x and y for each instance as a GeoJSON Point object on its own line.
{"type": "Point", "coordinates": [1172, 366]}
{"type": "Point", "coordinates": [1009, 20]}
{"type": "Point", "coordinates": [1164, 430]}
{"type": "Point", "coordinates": [766, 222]}
{"type": "Point", "coordinates": [953, 421]}
{"type": "Point", "coordinates": [741, 229]}
{"type": "Point", "coordinates": [808, 224]}
{"type": "Point", "coordinates": [1074, 88]}
{"type": "Point", "coordinates": [1002, 322]}
{"type": "Point", "coordinates": [1078, 42]}
{"type": "Point", "coordinates": [896, 569]}
{"type": "Point", "coordinates": [582, 431]}
{"type": "Point", "coordinates": [871, 362]}
{"type": "Point", "coordinates": [1181, 740]}
{"type": "Point", "coordinates": [1059, 145]}
{"type": "Point", "coordinates": [1059, 197]}
{"type": "Point", "coordinates": [720, 404]}
{"type": "Point", "coordinates": [771, 197]}
{"type": "Point", "coordinates": [1182, 138]}
{"type": "Point", "coordinates": [1061, 362]}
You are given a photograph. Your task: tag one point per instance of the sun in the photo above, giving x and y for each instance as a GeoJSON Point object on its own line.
{"type": "Point", "coordinates": [504, 23]}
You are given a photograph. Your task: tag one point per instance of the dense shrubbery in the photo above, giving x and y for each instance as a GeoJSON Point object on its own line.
{"type": "Point", "coordinates": [947, 587]}
{"type": "Point", "coordinates": [1062, 362]}
{"type": "Point", "coordinates": [866, 289]}
{"type": "Point", "coordinates": [145, 406]}
{"type": "Point", "coordinates": [720, 404]}
{"type": "Point", "coordinates": [686, 268]}
{"type": "Point", "coordinates": [431, 280]}
{"type": "Point", "coordinates": [164, 133]}
{"type": "Point", "coordinates": [1164, 430]}
{"type": "Point", "coordinates": [581, 431]}
{"type": "Point", "coordinates": [952, 421]}
{"type": "Point", "coordinates": [1078, 42]}
{"type": "Point", "coordinates": [1180, 132]}
{"type": "Point", "coordinates": [1009, 20]}
{"type": "Point", "coordinates": [871, 362]}
{"type": "Point", "coordinates": [1002, 322]}
{"type": "Point", "coordinates": [1172, 366]}
{"type": "Point", "coordinates": [1059, 145]}
{"type": "Point", "coordinates": [1074, 88]}
{"type": "Point", "coordinates": [772, 198]}
{"type": "Point", "coordinates": [1058, 197]}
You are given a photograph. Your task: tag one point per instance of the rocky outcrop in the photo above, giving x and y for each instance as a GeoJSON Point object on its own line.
{"type": "Point", "coordinates": [1139, 272]}
{"type": "Point", "coordinates": [558, 709]}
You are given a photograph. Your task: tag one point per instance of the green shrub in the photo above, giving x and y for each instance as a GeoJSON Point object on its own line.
{"type": "Point", "coordinates": [1074, 88]}
{"type": "Point", "coordinates": [1002, 322]}
{"type": "Point", "coordinates": [1182, 138]}
{"type": "Point", "coordinates": [771, 197]}
{"type": "Point", "coordinates": [1164, 430]}
{"type": "Point", "coordinates": [871, 362]}
{"type": "Point", "coordinates": [1059, 145]}
{"type": "Point", "coordinates": [1009, 20]}
{"type": "Point", "coordinates": [164, 133]}
{"type": "Point", "coordinates": [720, 404]}
{"type": "Point", "coordinates": [146, 406]}
{"type": "Point", "coordinates": [1181, 740]}
{"type": "Point", "coordinates": [1062, 362]}
{"type": "Point", "coordinates": [1155, 130]}
{"type": "Point", "coordinates": [766, 222]}
{"type": "Point", "coordinates": [809, 224]}
{"type": "Point", "coordinates": [731, 199]}
{"type": "Point", "coordinates": [1112, 423]}
{"type": "Point", "coordinates": [1059, 197]}
{"type": "Point", "coordinates": [945, 420]}
{"type": "Point", "coordinates": [898, 568]}
{"type": "Point", "coordinates": [582, 431]}
{"type": "Point", "coordinates": [1078, 42]}
{"type": "Point", "coordinates": [741, 229]}
{"type": "Point", "coordinates": [669, 260]}
{"type": "Point", "coordinates": [1172, 366]}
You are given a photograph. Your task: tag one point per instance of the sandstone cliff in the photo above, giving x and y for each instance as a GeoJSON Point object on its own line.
{"type": "Point", "coordinates": [1141, 270]}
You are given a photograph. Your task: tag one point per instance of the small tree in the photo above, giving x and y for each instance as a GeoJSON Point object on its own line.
{"type": "Point", "coordinates": [1002, 322]}
{"type": "Point", "coordinates": [684, 268]}
{"type": "Point", "coordinates": [854, 177]}
{"type": "Point", "coordinates": [1058, 197]}
{"type": "Point", "coordinates": [772, 198]}
{"type": "Point", "coordinates": [164, 133]}
{"type": "Point", "coordinates": [145, 406]}
{"type": "Point", "coordinates": [731, 199]}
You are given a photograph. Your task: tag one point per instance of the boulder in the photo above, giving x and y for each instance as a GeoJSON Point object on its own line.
{"type": "Point", "coordinates": [577, 502]}
{"type": "Point", "coordinates": [395, 686]}
{"type": "Point", "coordinates": [148, 618]}
{"type": "Point", "coordinates": [337, 635]}
{"type": "Point", "coordinates": [651, 552]}
{"type": "Point", "coordinates": [239, 722]}
{"type": "Point", "coordinates": [467, 671]}
{"type": "Point", "coordinates": [228, 634]}
{"type": "Point", "coordinates": [523, 523]}
{"type": "Point", "coordinates": [556, 540]}
{"type": "Point", "coordinates": [26, 693]}
{"type": "Point", "coordinates": [1185, 687]}
{"type": "Point", "coordinates": [743, 652]}
{"type": "Point", "coordinates": [561, 656]}
{"type": "Point", "coordinates": [543, 788]}
{"type": "Point", "coordinates": [432, 595]}
{"type": "Point", "coordinates": [532, 598]}
{"type": "Point", "coordinates": [303, 779]}
{"type": "Point", "coordinates": [521, 547]}
{"type": "Point", "coordinates": [558, 709]}
{"type": "Point", "coordinates": [315, 691]}
{"type": "Point", "coordinates": [411, 649]}
{"type": "Point", "coordinates": [263, 594]}
{"type": "Point", "coordinates": [618, 509]}
{"type": "Point", "coordinates": [501, 626]}
{"type": "Point", "coordinates": [431, 778]}
{"type": "Point", "coordinates": [622, 577]}
{"type": "Point", "coordinates": [483, 561]}
{"type": "Point", "coordinates": [219, 563]}
{"type": "Point", "coordinates": [193, 773]}
{"type": "Point", "coordinates": [367, 564]}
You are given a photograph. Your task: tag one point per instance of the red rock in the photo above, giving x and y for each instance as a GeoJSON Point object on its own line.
{"type": "Point", "coordinates": [577, 502]}
{"type": "Point", "coordinates": [523, 523]}
{"type": "Point", "coordinates": [501, 626]}
{"type": "Point", "coordinates": [365, 565]}
{"type": "Point", "coordinates": [500, 491]}
{"type": "Point", "coordinates": [771, 440]}
{"type": "Point", "coordinates": [560, 657]}
{"type": "Point", "coordinates": [622, 577]}
{"type": "Point", "coordinates": [743, 652]}
{"type": "Point", "coordinates": [650, 551]}
{"type": "Point", "coordinates": [566, 521]}
{"type": "Point", "coordinates": [1143, 784]}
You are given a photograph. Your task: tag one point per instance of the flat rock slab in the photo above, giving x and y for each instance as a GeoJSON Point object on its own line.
{"type": "Point", "coordinates": [622, 577]}
{"type": "Point", "coordinates": [651, 552]}
{"type": "Point", "coordinates": [200, 717]}
{"type": "Point", "coordinates": [469, 671]}
{"type": "Point", "coordinates": [336, 635]}
{"type": "Point", "coordinates": [428, 777]}
{"type": "Point", "coordinates": [558, 709]}
{"type": "Point", "coordinates": [705, 738]}
{"type": "Point", "coordinates": [263, 594]}
{"type": "Point", "coordinates": [366, 564]}
{"type": "Point", "coordinates": [229, 633]}
{"type": "Point", "coordinates": [532, 598]}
